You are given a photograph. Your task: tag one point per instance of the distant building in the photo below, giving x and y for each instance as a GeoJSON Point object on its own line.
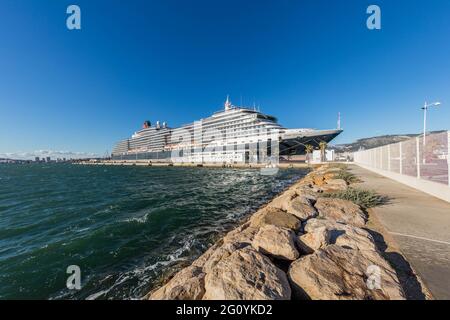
{"type": "Point", "coordinates": [344, 156]}
{"type": "Point", "coordinates": [37, 159]}
{"type": "Point", "coordinates": [48, 159]}
{"type": "Point", "coordinates": [317, 156]}
{"type": "Point", "coordinates": [329, 155]}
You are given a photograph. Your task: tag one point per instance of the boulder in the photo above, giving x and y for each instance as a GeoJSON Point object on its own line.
{"type": "Point", "coordinates": [246, 275]}
{"type": "Point", "coordinates": [301, 208]}
{"type": "Point", "coordinates": [200, 261]}
{"type": "Point", "coordinates": [336, 184]}
{"type": "Point", "coordinates": [314, 240]}
{"type": "Point", "coordinates": [342, 234]}
{"type": "Point", "coordinates": [337, 273]}
{"type": "Point", "coordinates": [281, 201]}
{"type": "Point", "coordinates": [341, 211]}
{"type": "Point", "coordinates": [330, 175]}
{"type": "Point", "coordinates": [188, 284]}
{"type": "Point", "coordinates": [242, 235]}
{"type": "Point", "coordinates": [276, 241]}
{"type": "Point", "coordinates": [309, 196]}
{"type": "Point", "coordinates": [306, 191]}
{"type": "Point", "coordinates": [315, 223]}
{"type": "Point", "coordinates": [218, 255]}
{"type": "Point", "coordinates": [319, 180]}
{"type": "Point", "coordinates": [276, 217]}
{"type": "Point", "coordinates": [316, 189]}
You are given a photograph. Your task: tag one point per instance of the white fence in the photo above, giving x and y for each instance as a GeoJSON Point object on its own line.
{"type": "Point", "coordinates": [424, 166]}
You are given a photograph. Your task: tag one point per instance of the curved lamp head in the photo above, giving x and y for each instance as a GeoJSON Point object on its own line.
{"type": "Point", "coordinates": [434, 104]}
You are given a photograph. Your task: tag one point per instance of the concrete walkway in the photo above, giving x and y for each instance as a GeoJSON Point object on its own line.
{"type": "Point", "coordinates": [420, 226]}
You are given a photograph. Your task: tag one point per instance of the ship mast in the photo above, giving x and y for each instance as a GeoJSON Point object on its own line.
{"type": "Point", "coordinates": [227, 103]}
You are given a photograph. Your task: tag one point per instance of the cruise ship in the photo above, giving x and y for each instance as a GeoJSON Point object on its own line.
{"type": "Point", "coordinates": [231, 135]}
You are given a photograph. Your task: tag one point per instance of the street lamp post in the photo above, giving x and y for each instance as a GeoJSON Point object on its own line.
{"type": "Point", "coordinates": [425, 109]}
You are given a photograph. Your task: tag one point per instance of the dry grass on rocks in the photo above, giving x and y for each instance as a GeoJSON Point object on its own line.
{"type": "Point", "coordinates": [364, 198]}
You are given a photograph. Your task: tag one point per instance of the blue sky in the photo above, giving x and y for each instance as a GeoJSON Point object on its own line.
{"type": "Point", "coordinates": [175, 61]}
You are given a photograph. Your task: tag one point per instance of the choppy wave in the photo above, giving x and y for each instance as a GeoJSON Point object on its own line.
{"type": "Point", "coordinates": [126, 227]}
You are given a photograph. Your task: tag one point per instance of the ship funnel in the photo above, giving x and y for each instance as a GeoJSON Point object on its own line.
{"type": "Point", "coordinates": [146, 124]}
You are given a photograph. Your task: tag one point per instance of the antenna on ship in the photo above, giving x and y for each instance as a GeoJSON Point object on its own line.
{"type": "Point", "coordinates": [227, 103]}
{"type": "Point", "coordinates": [339, 121]}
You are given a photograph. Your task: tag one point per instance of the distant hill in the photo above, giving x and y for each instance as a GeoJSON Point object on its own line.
{"type": "Point", "coordinates": [374, 142]}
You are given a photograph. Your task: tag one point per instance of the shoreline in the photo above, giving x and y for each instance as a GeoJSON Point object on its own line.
{"type": "Point", "coordinates": [270, 255]}
{"type": "Point", "coordinates": [146, 163]}
{"type": "Point", "coordinates": [166, 277]}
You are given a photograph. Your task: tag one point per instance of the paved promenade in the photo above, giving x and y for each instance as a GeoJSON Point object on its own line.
{"type": "Point", "coordinates": [420, 226]}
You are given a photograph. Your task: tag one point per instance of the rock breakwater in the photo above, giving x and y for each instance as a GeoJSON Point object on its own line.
{"type": "Point", "coordinates": [299, 246]}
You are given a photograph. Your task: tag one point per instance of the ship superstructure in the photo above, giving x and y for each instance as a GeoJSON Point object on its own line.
{"type": "Point", "coordinates": [232, 135]}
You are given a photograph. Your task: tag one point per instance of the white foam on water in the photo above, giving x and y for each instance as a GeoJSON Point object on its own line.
{"type": "Point", "coordinates": [97, 295]}
{"type": "Point", "coordinates": [142, 219]}
{"type": "Point", "coordinates": [143, 273]}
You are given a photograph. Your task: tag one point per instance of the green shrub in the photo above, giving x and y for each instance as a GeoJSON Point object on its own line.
{"type": "Point", "coordinates": [347, 176]}
{"type": "Point", "coordinates": [364, 198]}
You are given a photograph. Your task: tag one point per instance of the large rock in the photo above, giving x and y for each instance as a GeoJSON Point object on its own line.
{"type": "Point", "coordinates": [335, 185]}
{"type": "Point", "coordinates": [188, 284]}
{"type": "Point", "coordinates": [341, 234]}
{"type": "Point", "coordinates": [200, 261]}
{"type": "Point", "coordinates": [307, 191]}
{"type": "Point", "coordinates": [276, 241]}
{"type": "Point", "coordinates": [314, 240]}
{"type": "Point", "coordinates": [301, 208]}
{"type": "Point", "coordinates": [246, 275]}
{"type": "Point", "coordinates": [330, 175]}
{"type": "Point", "coordinates": [242, 235]}
{"type": "Point", "coordinates": [218, 255]}
{"type": "Point", "coordinates": [236, 239]}
{"type": "Point", "coordinates": [337, 273]}
{"type": "Point", "coordinates": [280, 201]}
{"type": "Point", "coordinates": [319, 180]}
{"type": "Point", "coordinates": [341, 211]}
{"type": "Point", "coordinates": [315, 223]}
{"type": "Point", "coordinates": [276, 217]}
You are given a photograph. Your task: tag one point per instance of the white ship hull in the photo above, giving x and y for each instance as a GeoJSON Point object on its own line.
{"type": "Point", "coordinates": [235, 135]}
